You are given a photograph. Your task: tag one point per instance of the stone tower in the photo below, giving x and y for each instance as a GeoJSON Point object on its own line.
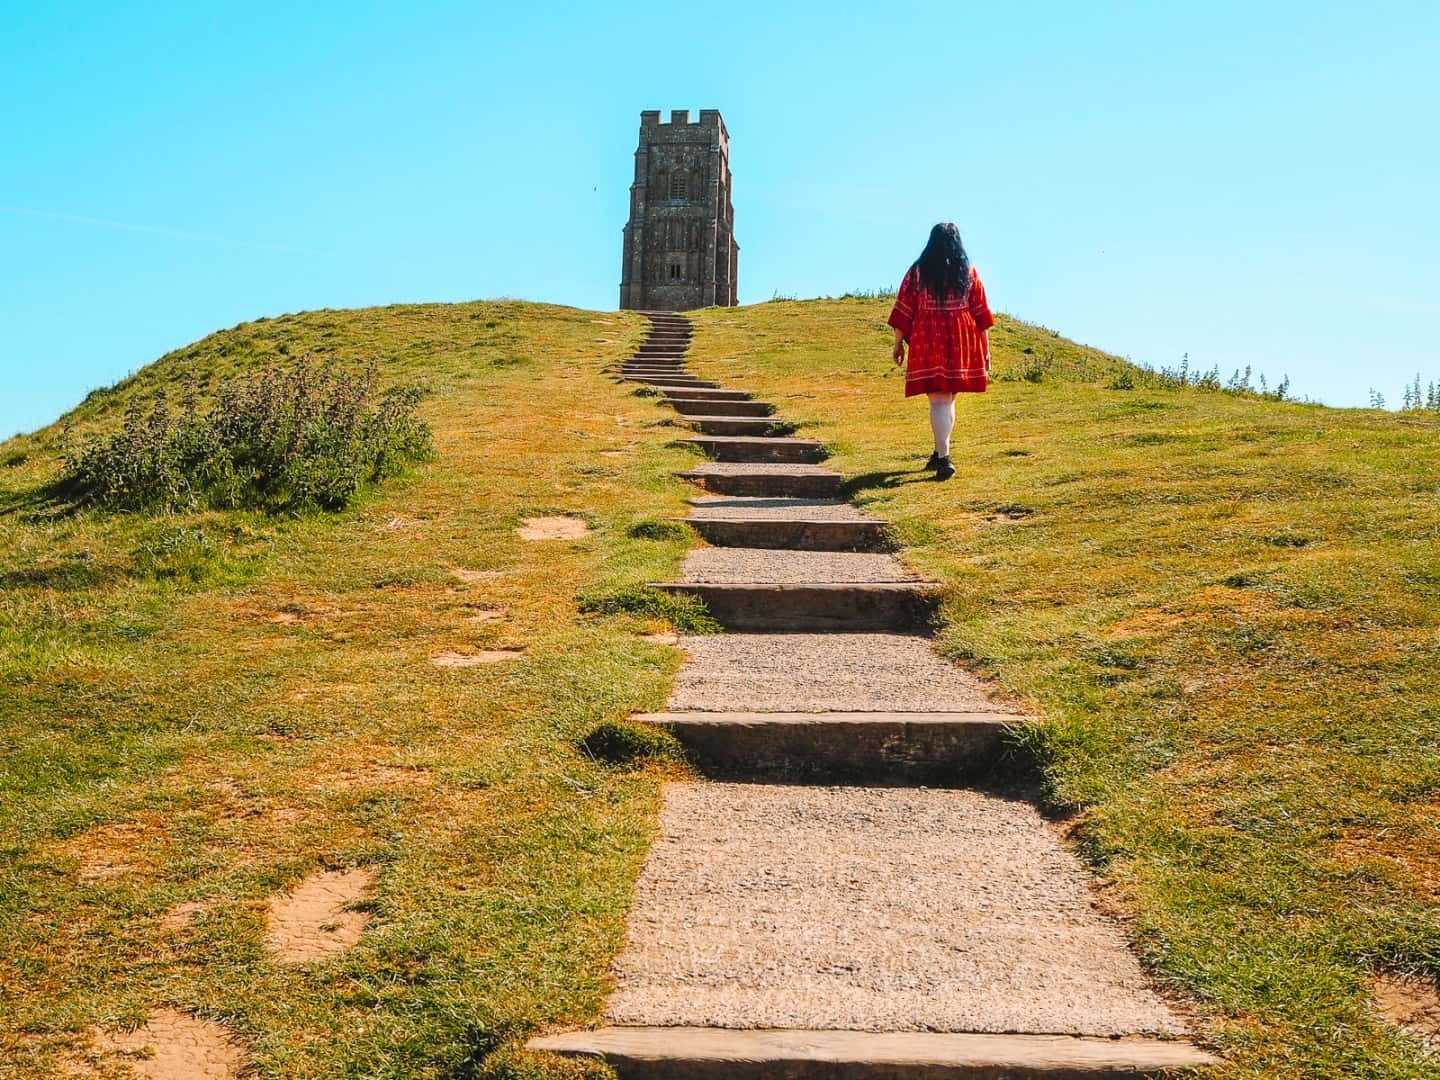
{"type": "Point", "coordinates": [680, 249]}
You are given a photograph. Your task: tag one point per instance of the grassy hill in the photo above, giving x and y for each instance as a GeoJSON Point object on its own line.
{"type": "Point", "coordinates": [206, 708]}
{"type": "Point", "coordinates": [1228, 610]}
{"type": "Point", "coordinates": [1225, 607]}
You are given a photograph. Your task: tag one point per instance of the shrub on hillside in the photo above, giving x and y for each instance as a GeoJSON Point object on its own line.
{"type": "Point", "coordinates": [279, 439]}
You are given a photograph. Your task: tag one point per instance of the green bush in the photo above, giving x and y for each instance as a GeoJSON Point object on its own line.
{"type": "Point", "coordinates": [279, 439]}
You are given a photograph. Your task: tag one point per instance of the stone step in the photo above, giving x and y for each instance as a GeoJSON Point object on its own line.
{"type": "Point", "coordinates": [823, 673]}
{"type": "Point", "coordinates": [719, 394]}
{"type": "Point", "coordinates": [776, 481]}
{"type": "Point", "coordinates": [669, 382]}
{"type": "Point", "coordinates": [794, 534]}
{"type": "Point", "coordinates": [693, 406]}
{"type": "Point", "coordinates": [738, 425]}
{"type": "Point", "coordinates": [713, 1053]}
{"type": "Point", "coordinates": [932, 748]}
{"type": "Point", "coordinates": [778, 566]}
{"type": "Point", "coordinates": [891, 606]}
{"type": "Point", "coordinates": [788, 907]}
{"type": "Point", "coordinates": [658, 383]}
{"type": "Point", "coordinates": [730, 506]}
{"type": "Point", "coordinates": [759, 448]}
{"type": "Point", "coordinates": [674, 368]}
{"type": "Point", "coordinates": [795, 524]}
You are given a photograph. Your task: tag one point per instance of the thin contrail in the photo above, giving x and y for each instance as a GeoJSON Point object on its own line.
{"type": "Point", "coordinates": [158, 230]}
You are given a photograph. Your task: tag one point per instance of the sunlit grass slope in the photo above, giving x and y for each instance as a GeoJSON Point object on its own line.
{"type": "Point", "coordinates": [207, 708]}
{"type": "Point", "coordinates": [1227, 610]}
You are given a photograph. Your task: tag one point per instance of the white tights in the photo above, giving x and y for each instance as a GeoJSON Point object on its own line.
{"type": "Point", "coordinates": [942, 421]}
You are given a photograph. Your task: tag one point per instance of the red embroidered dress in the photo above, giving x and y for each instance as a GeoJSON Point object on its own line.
{"type": "Point", "coordinates": [949, 344]}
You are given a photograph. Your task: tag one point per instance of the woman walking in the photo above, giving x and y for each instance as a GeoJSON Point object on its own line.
{"type": "Point", "coordinates": [942, 316]}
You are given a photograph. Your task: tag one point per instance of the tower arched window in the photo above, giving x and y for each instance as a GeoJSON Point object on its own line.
{"type": "Point", "coordinates": [677, 185]}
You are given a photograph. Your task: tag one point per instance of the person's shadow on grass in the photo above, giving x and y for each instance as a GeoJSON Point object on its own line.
{"type": "Point", "coordinates": [891, 478]}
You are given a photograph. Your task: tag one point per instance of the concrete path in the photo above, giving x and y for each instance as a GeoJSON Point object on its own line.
{"type": "Point", "coordinates": [871, 909]}
{"type": "Point", "coordinates": [829, 916]}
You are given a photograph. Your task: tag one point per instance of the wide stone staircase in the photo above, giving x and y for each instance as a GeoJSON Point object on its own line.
{"type": "Point", "coordinates": [834, 900]}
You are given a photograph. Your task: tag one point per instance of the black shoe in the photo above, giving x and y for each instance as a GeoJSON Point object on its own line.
{"type": "Point", "coordinates": [944, 469]}
{"type": "Point", "coordinates": [934, 462]}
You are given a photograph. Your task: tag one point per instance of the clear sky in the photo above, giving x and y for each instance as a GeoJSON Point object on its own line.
{"type": "Point", "coordinates": [1247, 183]}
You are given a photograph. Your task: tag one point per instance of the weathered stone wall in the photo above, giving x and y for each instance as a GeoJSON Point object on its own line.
{"type": "Point", "coordinates": [679, 248]}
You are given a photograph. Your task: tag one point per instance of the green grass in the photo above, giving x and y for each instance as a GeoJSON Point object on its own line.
{"type": "Point", "coordinates": [207, 707]}
{"type": "Point", "coordinates": [1227, 611]}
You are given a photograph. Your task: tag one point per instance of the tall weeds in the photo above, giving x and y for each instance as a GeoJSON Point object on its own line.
{"type": "Point", "coordinates": [278, 439]}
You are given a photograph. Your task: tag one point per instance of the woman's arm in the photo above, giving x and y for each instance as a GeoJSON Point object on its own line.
{"type": "Point", "coordinates": [902, 316]}
{"type": "Point", "coordinates": [979, 303]}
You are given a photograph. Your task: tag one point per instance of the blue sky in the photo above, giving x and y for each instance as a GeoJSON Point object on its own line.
{"type": "Point", "coordinates": [1249, 184]}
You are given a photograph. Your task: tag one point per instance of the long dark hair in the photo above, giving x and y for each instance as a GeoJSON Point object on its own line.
{"type": "Point", "coordinates": [943, 266]}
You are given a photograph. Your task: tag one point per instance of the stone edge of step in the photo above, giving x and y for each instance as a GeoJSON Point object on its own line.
{"type": "Point", "coordinates": [707, 718]}
{"type": "Point", "coordinates": [759, 468]}
{"type": "Point", "coordinates": [839, 524]}
{"type": "Point", "coordinates": [897, 585]}
{"type": "Point", "coordinates": [852, 1055]}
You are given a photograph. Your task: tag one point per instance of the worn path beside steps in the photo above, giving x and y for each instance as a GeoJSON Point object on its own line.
{"type": "Point", "coordinates": [837, 902]}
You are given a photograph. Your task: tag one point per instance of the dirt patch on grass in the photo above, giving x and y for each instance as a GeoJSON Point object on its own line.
{"type": "Point", "coordinates": [181, 916]}
{"type": "Point", "coordinates": [289, 612]}
{"type": "Point", "coordinates": [1410, 1004]}
{"type": "Point", "coordinates": [313, 922]}
{"type": "Point", "coordinates": [172, 1045]}
{"type": "Point", "coordinates": [553, 528]}
{"type": "Point", "coordinates": [451, 659]}
{"type": "Point", "coordinates": [111, 851]}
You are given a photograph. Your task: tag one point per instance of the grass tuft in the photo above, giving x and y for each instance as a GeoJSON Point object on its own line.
{"type": "Point", "coordinates": [629, 744]}
{"type": "Point", "coordinates": [655, 529]}
{"type": "Point", "coordinates": [687, 614]}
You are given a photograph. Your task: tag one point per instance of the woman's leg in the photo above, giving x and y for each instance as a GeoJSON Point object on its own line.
{"type": "Point", "coordinates": [942, 421]}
